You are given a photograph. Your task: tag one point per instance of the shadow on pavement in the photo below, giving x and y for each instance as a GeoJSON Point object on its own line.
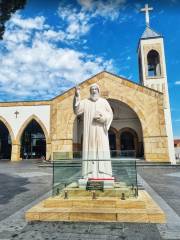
{"type": "Point", "coordinates": [10, 186]}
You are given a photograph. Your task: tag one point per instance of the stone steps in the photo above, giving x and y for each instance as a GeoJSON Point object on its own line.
{"type": "Point", "coordinates": [141, 209]}
{"type": "Point", "coordinates": [86, 214]}
{"type": "Point", "coordinates": [96, 203]}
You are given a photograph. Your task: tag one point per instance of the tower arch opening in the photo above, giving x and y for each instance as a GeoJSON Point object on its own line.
{"type": "Point", "coordinates": [153, 64]}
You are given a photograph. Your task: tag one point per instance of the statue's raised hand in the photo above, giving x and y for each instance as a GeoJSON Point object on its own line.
{"type": "Point", "coordinates": [77, 91]}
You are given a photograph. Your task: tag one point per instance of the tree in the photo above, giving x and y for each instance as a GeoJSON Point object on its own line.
{"type": "Point", "coordinates": [7, 8]}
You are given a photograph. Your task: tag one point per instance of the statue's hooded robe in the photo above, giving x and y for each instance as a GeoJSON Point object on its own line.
{"type": "Point", "coordinates": [95, 136]}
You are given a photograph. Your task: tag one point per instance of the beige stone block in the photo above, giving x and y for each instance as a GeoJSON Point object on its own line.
{"type": "Point", "coordinates": [95, 204]}
{"type": "Point", "coordinates": [137, 217]}
{"type": "Point", "coordinates": [162, 150]}
{"type": "Point", "coordinates": [32, 216]}
{"type": "Point", "coordinates": [147, 148]}
{"type": "Point", "coordinates": [95, 217]}
{"type": "Point", "coordinates": [156, 158]}
{"type": "Point", "coordinates": [157, 218]}
{"type": "Point", "coordinates": [54, 216]}
{"type": "Point", "coordinates": [153, 156]}
{"type": "Point", "coordinates": [128, 204]}
{"type": "Point", "coordinates": [58, 203]}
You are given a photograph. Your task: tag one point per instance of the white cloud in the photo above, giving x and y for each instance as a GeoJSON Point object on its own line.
{"type": "Point", "coordinates": [33, 66]}
{"type": "Point", "coordinates": [30, 23]}
{"type": "Point", "coordinates": [53, 35]}
{"type": "Point", "coordinates": [177, 83]}
{"type": "Point", "coordinates": [107, 9]}
{"type": "Point", "coordinates": [78, 21]}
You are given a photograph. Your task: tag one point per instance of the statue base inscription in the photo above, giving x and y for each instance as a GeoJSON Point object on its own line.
{"type": "Point", "coordinates": [95, 185]}
{"type": "Point", "coordinates": [96, 182]}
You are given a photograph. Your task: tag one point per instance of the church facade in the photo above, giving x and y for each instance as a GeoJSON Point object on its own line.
{"type": "Point", "coordinates": [141, 124]}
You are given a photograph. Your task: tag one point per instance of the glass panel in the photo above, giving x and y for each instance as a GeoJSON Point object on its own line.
{"type": "Point", "coordinates": [69, 183]}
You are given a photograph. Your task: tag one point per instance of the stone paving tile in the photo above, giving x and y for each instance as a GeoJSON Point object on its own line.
{"type": "Point", "coordinates": [89, 231]}
{"type": "Point", "coordinates": [169, 231]}
{"type": "Point", "coordinates": [20, 185]}
{"type": "Point", "coordinates": [166, 186]}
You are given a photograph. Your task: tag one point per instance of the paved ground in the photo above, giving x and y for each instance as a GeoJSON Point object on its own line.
{"type": "Point", "coordinates": [166, 182]}
{"type": "Point", "coordinates": [24, 184]}
{"type": "Point", "coordinates": [20, 184]}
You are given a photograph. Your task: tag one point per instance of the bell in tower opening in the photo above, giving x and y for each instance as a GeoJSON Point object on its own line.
{"type": "Point", "coordinates": [153, 61]}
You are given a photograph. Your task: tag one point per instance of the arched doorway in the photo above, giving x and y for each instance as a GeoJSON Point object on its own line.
{"type": "Point", "coordinates": [126, 128]}
{"type": "Point", "coordinates": [5, 142]}
{"type": "Point", "coordinates": [129, 142]}
{"type": "Point", "coordinates": [33, 141]}
{"type": "Point", "coordinates": [112, 141]}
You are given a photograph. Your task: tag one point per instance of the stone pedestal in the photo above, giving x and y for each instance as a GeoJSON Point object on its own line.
{"type": "Point", "coordinates": [107, 207]}
{"type": "Point", "coordinates": [108, 182]}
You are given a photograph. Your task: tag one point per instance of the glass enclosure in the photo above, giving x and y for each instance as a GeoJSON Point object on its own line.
{"type": "Point", "coordinates": [67, 171]}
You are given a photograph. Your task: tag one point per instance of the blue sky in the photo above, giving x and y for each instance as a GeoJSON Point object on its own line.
{"type": "Point", "coordinates": [51, 45]}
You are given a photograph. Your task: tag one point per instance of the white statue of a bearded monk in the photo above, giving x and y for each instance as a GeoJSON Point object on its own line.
{"type": "Point", "coordinates": [97, 120]}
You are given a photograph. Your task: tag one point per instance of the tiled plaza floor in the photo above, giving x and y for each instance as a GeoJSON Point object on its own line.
{"type": "Point", "coordinates": [24, 184]}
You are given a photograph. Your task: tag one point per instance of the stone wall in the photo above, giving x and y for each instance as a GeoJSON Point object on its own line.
{"type": "Point", "coordinates": [146, 103]}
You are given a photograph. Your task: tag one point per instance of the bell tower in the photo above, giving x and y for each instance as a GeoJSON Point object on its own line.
{"type": "Point", "coordinates": [152, 72]}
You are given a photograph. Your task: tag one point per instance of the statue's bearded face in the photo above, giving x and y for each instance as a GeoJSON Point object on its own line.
{"type": "Point", "coordinates": [94, 93]}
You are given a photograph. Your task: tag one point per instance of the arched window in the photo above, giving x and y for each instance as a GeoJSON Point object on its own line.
{"type": "Point", "coordinates": [153, 61]}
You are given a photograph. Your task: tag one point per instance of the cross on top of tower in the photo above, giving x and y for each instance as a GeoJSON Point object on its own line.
{"type": "Point", "coordinates": [146, 9]}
